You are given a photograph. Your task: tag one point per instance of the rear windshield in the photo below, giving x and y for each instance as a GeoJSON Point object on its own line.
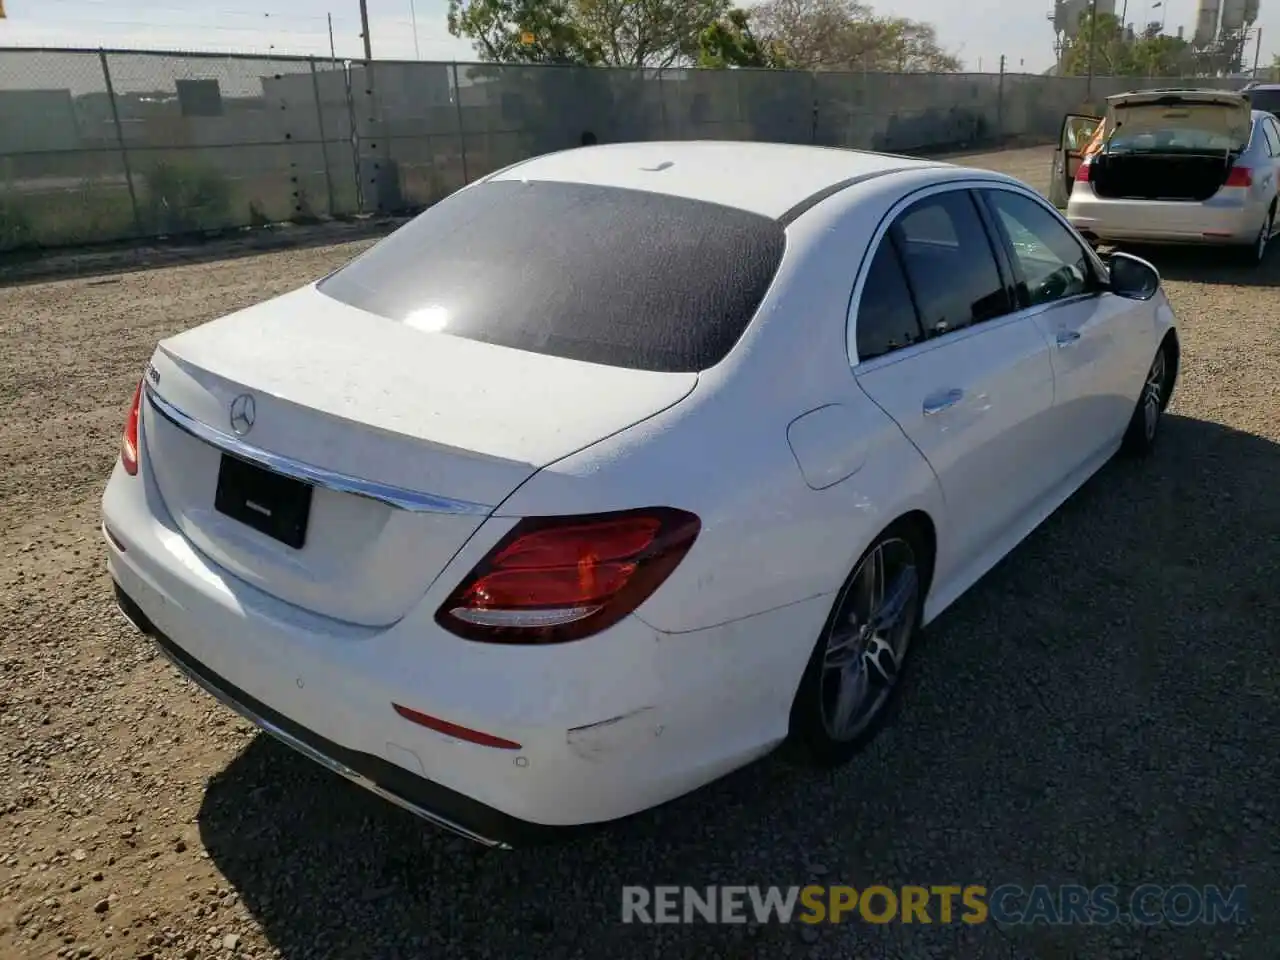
{"type": "Point", "coordinates": [1268, 100]}
{"type": "Point", "coordinates": [626, 278]}
{"type": "Point", "coordinates": [1175, 139]}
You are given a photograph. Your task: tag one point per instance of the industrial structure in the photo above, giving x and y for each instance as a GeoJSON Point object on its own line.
{"type": "Point", "coordinates": [1219, 38]}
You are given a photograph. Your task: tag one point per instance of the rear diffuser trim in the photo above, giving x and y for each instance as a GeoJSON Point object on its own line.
{"type": "Point", "coordinates": [412, 501]}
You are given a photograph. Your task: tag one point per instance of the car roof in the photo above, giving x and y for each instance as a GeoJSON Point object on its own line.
{"type": "Point", "coordinates": [772, 179]}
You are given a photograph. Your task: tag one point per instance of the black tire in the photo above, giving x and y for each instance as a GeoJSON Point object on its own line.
{"type": "Point", "coordinates": [810, 739]}
{"type": "Point", "coordinates": [1256, 253]}
{"type": "Point", "coordinates": [1148, 413]}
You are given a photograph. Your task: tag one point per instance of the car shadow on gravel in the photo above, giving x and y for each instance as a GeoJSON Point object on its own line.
{"type": "Point", "coordinates": [1097, 710]}
{"type": "Point", "coordinates": [1211, 265]}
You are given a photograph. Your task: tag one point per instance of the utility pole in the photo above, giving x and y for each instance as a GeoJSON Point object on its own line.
{"type": "Point", "coordinates": [333, 55]}
{"type": "Point", "coordinates": [364, 26]}
{"type": "Point", "coordinates": [1093, 36]}
{"type": "Point", "coordinates": [1257, 52]}
{"type": "Point", "coordinates": [413, 15]}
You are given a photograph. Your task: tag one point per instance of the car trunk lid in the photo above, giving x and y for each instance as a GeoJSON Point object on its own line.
{"type": "Point", "coordinates": [1175, 146]}
{"type": "Point", "coordinates": [402, 440]}
{"type": "Point", "coordinates": [1223, 112]}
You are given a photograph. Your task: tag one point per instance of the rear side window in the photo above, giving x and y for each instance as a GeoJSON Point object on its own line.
{"type": "Point", "coordinates": [949, 263]}
{"type": "Point", "coordinates": [1273, 137]}
{"type": "Point", "coordinates": [620, 277]}
{"type": "Point", "coordinates": [887, 319]}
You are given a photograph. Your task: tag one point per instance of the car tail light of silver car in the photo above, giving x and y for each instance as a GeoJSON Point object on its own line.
{"type": "Point", "coordinates": [1239, 177]}
{"type": "Point", "coordinates": [555, 579]}
{"type": "Point", "coordinates": [129, 439]}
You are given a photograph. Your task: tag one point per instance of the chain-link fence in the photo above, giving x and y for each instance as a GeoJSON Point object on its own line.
{"type": "Point", "coordinates": [111, 145]}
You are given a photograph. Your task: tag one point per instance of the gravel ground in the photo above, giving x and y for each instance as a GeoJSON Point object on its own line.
{"type": "Point", "coordinates": [1100, 709]}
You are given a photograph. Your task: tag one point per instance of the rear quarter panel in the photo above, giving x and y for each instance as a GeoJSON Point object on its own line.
{"type": "Point", "coordinates": [768, 538]}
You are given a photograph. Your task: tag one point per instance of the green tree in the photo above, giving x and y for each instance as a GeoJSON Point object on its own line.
{"type": "Point", "coordinates": [623, 33]}
{"type": "Point", "coordinates": [1115, 54]}
{"type": "Point", "coordinates": [849, 35]}
{"type": "Point", "coordinates": [730, 42]}
{"type": "Point", "coordinates": [522, 31]}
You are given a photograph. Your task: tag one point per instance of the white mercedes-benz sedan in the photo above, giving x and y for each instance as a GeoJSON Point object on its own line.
{"type": "Point", "coordinates": [620, 467]}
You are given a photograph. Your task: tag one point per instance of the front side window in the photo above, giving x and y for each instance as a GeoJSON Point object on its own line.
{"type": "Point", "coordinates": [949, 263]}
{"type": "Point", "coordinates": [1051, 263]}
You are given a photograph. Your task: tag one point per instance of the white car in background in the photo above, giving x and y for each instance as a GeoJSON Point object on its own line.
{"type": "Point", "coordinates": [616, 469]}
{"type": "Point", "coordinates": [1175, 167]}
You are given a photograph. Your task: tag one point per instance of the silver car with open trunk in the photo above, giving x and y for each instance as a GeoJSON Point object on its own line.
{"type": "Point", "coordinates": [1172, 166]}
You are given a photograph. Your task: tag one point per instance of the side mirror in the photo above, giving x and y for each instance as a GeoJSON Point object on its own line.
{"type": "Point", "coordinates": [1132, 277]}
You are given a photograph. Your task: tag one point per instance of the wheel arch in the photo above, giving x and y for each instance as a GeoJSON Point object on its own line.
{"type": "Point", "coordinates": [925, 533]}
{"type": "Point", "coordinates": [1173, 346]}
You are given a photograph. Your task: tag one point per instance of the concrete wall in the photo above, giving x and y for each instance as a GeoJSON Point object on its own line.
{"type": "Point", "coordinates": [295, 139]}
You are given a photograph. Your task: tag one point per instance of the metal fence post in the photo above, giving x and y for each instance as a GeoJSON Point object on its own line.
{"type": "Point", "coordinates": [354, 138]}
{"type": "Point", "coordinates": [1000, 101]}
{"type": "Point", "coordinates": [662, 105]}
{"type": "Point", "coordinates": [813, 122]}
{"type": "Point", "coordinates": [124, 152]}
{"type": "Point", "coordinates": [324, 141]}
{"type": "Point", "coordinates": [462, 133]}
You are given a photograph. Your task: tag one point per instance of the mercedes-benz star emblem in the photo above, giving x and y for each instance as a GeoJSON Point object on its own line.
{"type": "Point", "coordinates": [243, 411]}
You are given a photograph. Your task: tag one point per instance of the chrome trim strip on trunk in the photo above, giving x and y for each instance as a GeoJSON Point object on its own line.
{"type": "Point", "coordinates": [327, 762]}
{"type": "Point", "coordinates": [412, 501]}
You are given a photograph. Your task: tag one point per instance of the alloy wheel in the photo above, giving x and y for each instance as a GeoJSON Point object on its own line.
{"type": "Point", "coordinates": [867, 640]}
{"type": "Point", "coordinates": [1153, 396]}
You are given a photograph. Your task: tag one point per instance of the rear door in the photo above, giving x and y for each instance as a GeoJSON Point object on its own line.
{"type": "Point", "coordinates": [967, 380]}
{"type": "Point", "coordinates": [1073, 140]}
{"type": "Point", "coordinates": [1098, 354]}
{"type": "Point", "coordinates": [1271, 132]}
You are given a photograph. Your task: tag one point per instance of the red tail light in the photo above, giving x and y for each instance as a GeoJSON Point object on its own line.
{"type": "Point", "coordinates": [1239, 177]}
{"type": "Point", "coordinates": [129, 441]}
{"type": "Point", "coordinates": [1082, 171]}
{"type": "Point", "coordinates": [553, 579]}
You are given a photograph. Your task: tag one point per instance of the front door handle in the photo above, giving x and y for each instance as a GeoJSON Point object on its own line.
{"type": "Point", "coordinates": [942, 401]}
{"type": "Point", "coordinates": [1067, 337]}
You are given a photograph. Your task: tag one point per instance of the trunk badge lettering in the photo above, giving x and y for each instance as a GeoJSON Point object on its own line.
{"type": "Point", "coordinates": [243, 413]}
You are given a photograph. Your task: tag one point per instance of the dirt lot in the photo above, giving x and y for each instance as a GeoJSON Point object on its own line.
{"type": "Point", "coordinates": [1102, 708]}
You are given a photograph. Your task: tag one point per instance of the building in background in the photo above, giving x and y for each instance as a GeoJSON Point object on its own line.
{"type": "Point", "coordinates": [1222, 37]}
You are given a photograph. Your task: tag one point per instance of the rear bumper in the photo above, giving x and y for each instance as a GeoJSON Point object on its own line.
{"type": "Point", "coordinates": [1216, 221]}
{"type": "Point", "coordinates": [432, 802]}
{"type": "Point", "coordinates": [606, 728]}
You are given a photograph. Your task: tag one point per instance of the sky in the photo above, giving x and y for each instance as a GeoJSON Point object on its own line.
{"type": "Point", "coordinates": [978, 31]}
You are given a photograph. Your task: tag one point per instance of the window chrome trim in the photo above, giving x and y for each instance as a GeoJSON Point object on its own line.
{"type": "Point", "coordinates": [411, 501]}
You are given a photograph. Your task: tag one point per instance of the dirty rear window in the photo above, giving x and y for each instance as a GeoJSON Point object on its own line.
{"type": "Point", "coordinates": [626, 278]}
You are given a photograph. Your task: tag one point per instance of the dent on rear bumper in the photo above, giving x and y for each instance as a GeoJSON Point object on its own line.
{"type": "Point", "coordinates": [622, 722]}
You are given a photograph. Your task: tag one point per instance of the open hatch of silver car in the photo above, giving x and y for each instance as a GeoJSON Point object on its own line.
{"type": "Point", "coordinates": [1175, 145]}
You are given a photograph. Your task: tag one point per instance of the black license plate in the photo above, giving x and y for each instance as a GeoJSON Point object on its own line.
{"type": "Point", "coordinates": [275, 505]}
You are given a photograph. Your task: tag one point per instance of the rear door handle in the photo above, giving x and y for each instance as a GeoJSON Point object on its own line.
{"type": "Point", "coordinates": [942, 401]}
{"type": "Point", "coordinates": [1067, 337]}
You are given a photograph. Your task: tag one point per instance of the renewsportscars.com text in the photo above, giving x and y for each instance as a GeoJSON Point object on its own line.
{"type": "Point", "coordinates": [1008, 904]}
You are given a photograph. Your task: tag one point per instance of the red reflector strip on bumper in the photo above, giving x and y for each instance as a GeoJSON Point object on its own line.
{"type": "Point", "coordinates": [453, 730]}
